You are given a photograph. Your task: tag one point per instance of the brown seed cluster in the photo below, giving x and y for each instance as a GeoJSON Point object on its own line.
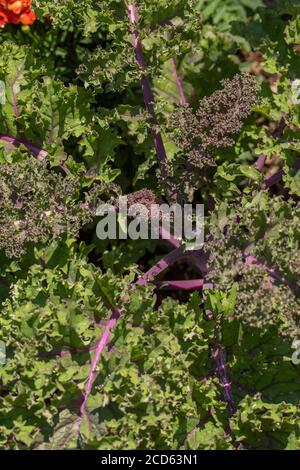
{"type": "Point", "coordinates": [218, 118]}
{"type": "Point", "coordinates": [143, 196]}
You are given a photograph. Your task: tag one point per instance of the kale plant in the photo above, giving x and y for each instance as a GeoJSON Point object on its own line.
{"type": "Point", "coordinates": [149, 344]}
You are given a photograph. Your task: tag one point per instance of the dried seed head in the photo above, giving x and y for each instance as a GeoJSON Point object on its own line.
{"type": "Point", "coordinates": [143, 196]}
{"type": "Point", "coordinates": [218, 118]}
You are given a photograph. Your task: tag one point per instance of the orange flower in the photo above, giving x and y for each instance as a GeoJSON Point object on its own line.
{"type": "Point", "coordinates": [15, 12]}
{"type": "Point", "coordinates": [3, 17]}
{"type": "Point", "coordinates": [16, 7]}
{"type": "Point", "coordinates": [28, 18]}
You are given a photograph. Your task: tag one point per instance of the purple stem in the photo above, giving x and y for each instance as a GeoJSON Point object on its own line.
{"type": "Point", "coordinates": [279, 129]}
{"type": "Point", "coordinates": [100, 345]}
{"type": "Point", "coordinates": [194, 284]}
{"type": "Point", "coordinates": [14, 96]}
{"type": "Point", "coordinates": [37, 152]}
{"type": "Point", "coordinates": [160, 266]}
{"type": "Point", "coordinates": [277, 176]}
{"type": "Point", "coordinates": [260, 163]}
{"type": "Point", "coordinates": [183, 99]}
{"type": "Point", "coordinates": [249, 260]}
{"type": "Point", "coordinates": [148, 95]}
{"type": "Point", "coordinates": [15, 104]}
{"type": "Point", "coordinates": [218, 355]}
{"type": "Point", "coordinates": [273, 179]}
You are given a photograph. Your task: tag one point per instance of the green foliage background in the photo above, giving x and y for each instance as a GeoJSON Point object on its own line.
{"type": "Point", "coordinates": [75, 81]}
